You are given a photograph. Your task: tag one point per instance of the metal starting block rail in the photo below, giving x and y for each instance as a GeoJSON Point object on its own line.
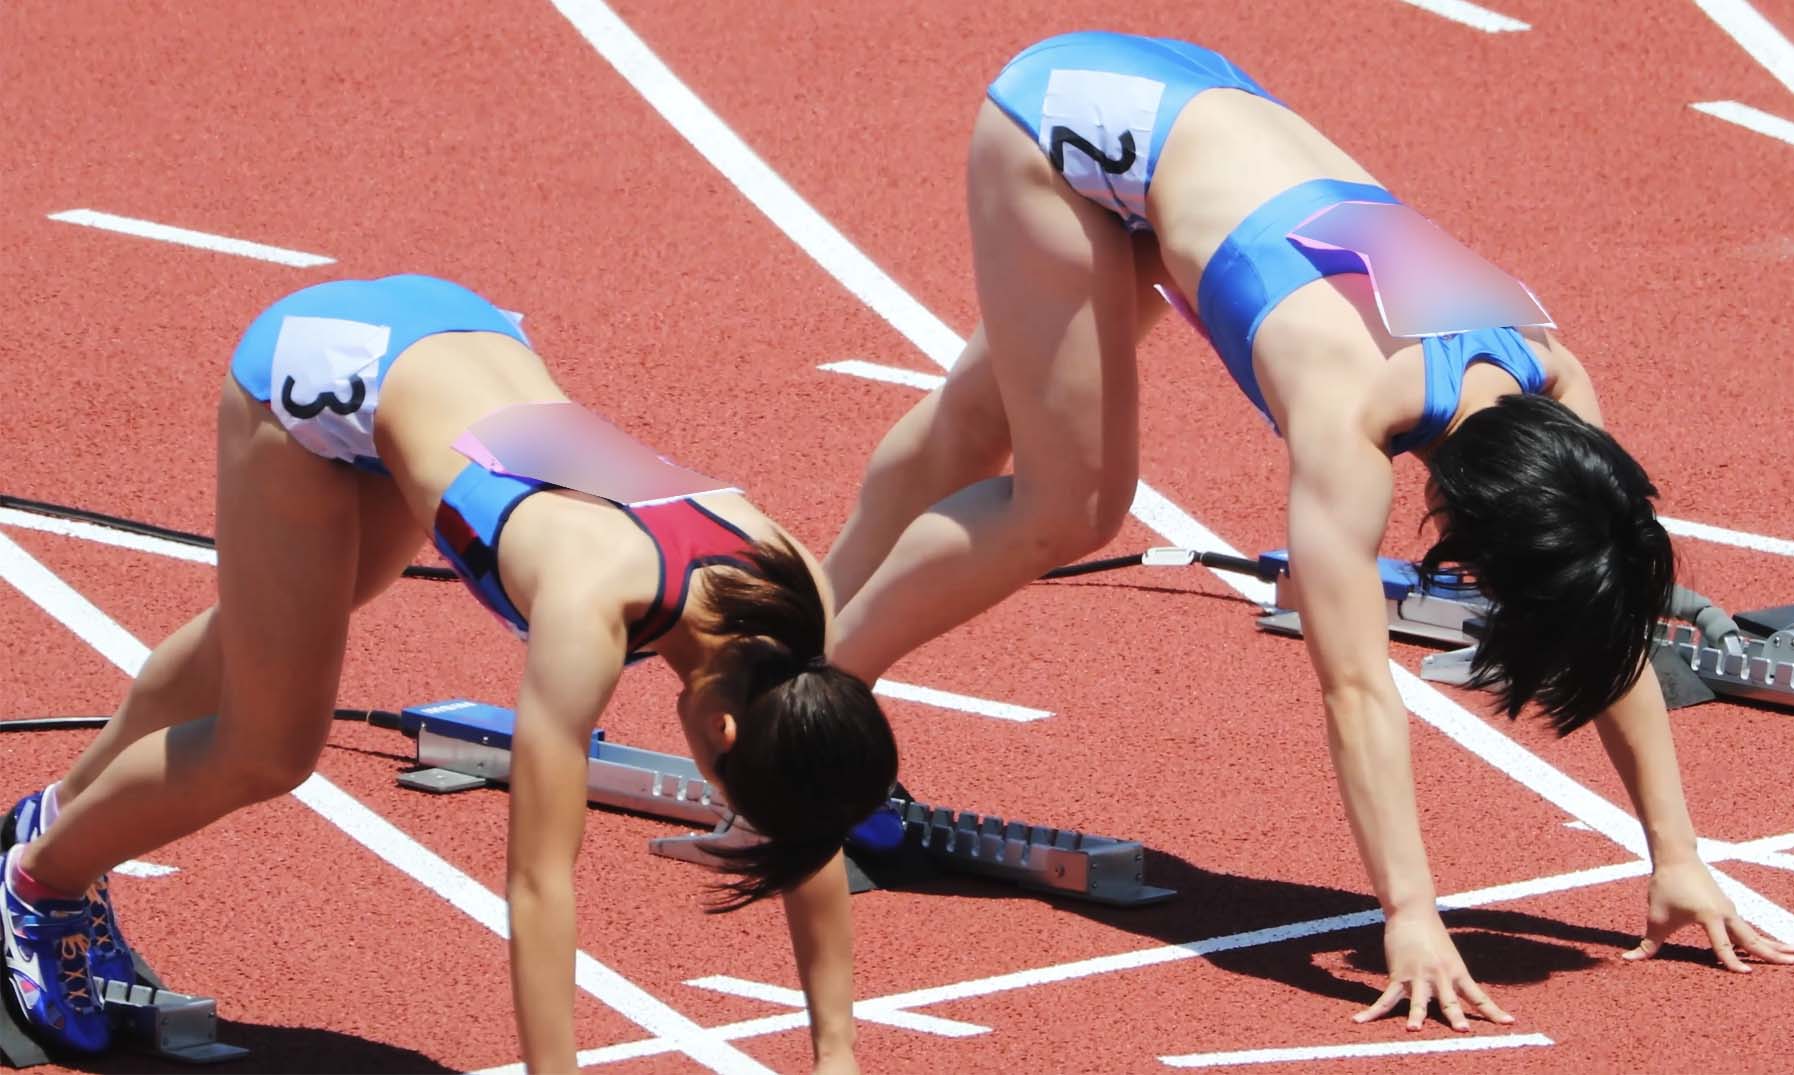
{"type": "Point", "coordinates": [467, 744]}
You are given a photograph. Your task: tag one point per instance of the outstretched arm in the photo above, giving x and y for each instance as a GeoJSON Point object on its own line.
{"type": "Point", "coordinates": [1635, 733]}
{"type": "Point", "coordinates": [571, 668]}
{"type": "Point", "coordinates": [821, 922]}
{"type": "Point", "coordinates": [1340, 491]}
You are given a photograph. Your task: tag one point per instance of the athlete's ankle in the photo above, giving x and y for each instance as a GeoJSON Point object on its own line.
{"type": "Point", "coordinates": [27, 887]}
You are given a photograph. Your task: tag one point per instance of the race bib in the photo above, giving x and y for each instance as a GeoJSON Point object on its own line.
{"type": "Point", "coordinates": [324, 383]}
{"type": "Point", "coordinates": [1097, 129]}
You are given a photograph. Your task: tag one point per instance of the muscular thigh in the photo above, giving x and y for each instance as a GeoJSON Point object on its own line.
{"type": "Point", "coordinates": [1057, 287]}
{"type": "Point", "coordinates": [289, 541]}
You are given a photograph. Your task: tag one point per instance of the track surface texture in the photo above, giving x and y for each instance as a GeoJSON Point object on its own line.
{"type": "Point", "coordinates": [494, 145]}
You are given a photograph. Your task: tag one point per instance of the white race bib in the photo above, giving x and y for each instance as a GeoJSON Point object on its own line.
{"type": "Point", "coordinates": [1097, 129]}
{"type": "Point", "coordinates": [324, 383]}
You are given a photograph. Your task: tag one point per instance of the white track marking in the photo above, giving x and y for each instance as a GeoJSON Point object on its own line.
{"type": "Point", "coordinates": [380, 836]}
{"type": "Point", "coordinates": [134, 868]}
{"type": "Point", "coordinates": [107, 535]}
{"type": "Point", "coordinates": [1473, 15]}
{"type": "Point", "coordinates": [1711, 850]}
{"type": "Point", "coordinates": [1308, 1053]}
{"type": "Point", "coordinates": [1765, 44]}
{"type": "Point", "coordinates": [965, 703]}
{"type": "Point", "coordinates": [794, 998]}
{"type": "Point", "coordinates": [709, 135]}
{"type": "Point", "coordinates": [874, 371]}
{"type": "Point", "coordinates": [631, 57]}
{"type": "Point", "coordinates": [1720, 535]}
{"type": "Point", "coordinates": [1755, 35]}
{"type": "Point", "coordinates": [147, 229]}
{"type": "Point", "coordinates": [1745, 116]}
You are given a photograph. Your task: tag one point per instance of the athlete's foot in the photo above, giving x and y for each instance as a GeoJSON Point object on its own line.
{"type": "Point", "coordinates": [46, 946]}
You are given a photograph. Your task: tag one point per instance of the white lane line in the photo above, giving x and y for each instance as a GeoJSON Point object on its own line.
{"type": "Point", "coordinates": [710, 136]}
{"type": "Point", "coordinates": [106, 535]}
{"type": "Point", "coordinates": [965, 703]}
{"type": "Point", "coordinates": [1755, 35]}
{"type": "Point", "coordinates": [149, 229]}
{"type": "Point", "coordinates": [1306, 1053]}
{"type": "Point", "coordinates": [631, 57]}
{"type": "Point", "coordinates": [378, 835]}
{"type": "Point", "coordinates": [1719, 534]}
{"type": "Point", "coordinates": [1473, 15]}
{"type": "Point", "coordinates": [1754, 119]}
{"type": "Point", "coordinates": [1121, 962]}
{"type": "Point", "coordinates": [794, 998]}
{"type": "Point", "coordinates": [134, 868]}
{"type": "Point", "coordinates": [876, 371]}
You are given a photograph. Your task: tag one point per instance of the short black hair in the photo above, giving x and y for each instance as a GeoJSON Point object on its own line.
{"type": "Point", "coordinates": [1553, 521]}
{"type": "Point", "coordinates": [814, 754]}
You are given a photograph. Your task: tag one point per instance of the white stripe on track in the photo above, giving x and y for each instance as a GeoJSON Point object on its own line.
{"type": "Point", "coordinates": [380, 836]}
{"type": "Point", "coordinates": [1303, 1054]}
{"type": "Point", "coordinates": [149, 229]}
{"type": "Point", "coordinates": [965, 703]}
{"type": "Point", "coordinates": [1719, 535]}
{"type": "Point", "coordinates": [1472, 15]}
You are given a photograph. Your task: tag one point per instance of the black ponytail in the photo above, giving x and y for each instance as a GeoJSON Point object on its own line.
{"type": "Point", "coordinates": [813, 753]}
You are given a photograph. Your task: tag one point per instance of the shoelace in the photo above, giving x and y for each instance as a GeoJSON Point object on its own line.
{"type": "Point", "coordinates": [72, 952]}
{"type": "Point", "coordinates": [100, 918]}
{"type": "Point", "coordinates": [74, 970]}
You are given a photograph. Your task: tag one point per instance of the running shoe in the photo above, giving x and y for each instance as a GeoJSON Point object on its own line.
{"type": "Point", "coordinates": [108, 955]}
{"type": "Point", "coordinates": [46, 969]}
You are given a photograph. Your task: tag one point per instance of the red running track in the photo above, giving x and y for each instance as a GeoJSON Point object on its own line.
{"type": "Point", "coordinates": [499, 149]}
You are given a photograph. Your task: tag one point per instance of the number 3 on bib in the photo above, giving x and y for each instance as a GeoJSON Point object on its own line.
{"type": "Point", "coordinates": [1097, 129]}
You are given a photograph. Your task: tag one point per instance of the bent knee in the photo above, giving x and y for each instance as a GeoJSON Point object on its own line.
{"type": "Point", "coordinates": [256, 775]}
{"type": "Point", "coordinates": [1064, 528]}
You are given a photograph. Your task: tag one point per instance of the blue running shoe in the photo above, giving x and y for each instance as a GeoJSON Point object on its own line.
{"type": "Point", "coordinates": [109, 956]}
{"type": "Point", "coordinates": [47, 973]}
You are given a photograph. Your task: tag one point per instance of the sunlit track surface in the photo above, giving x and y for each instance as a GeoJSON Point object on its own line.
{"type": "Point", "coordinates": [1583, 152]}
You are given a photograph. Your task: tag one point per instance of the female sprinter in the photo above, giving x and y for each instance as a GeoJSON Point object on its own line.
{"type": "Point", "coordinates": [1102, 164]}
{"type": "Point", "coordinates": [320, 506]}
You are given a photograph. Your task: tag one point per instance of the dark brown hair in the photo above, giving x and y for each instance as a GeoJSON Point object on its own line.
{"type": "Point", "coordinates": [813, 753]}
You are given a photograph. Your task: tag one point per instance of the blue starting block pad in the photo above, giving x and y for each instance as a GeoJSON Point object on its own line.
{"type": "Point", "coordinates": [463, 744]}
{"type": "Point", "coordinates": [1446, 610]}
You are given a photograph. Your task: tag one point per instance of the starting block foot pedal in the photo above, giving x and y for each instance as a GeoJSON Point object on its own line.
{"type": "Point", "coordinates": [441, 781]}
{"type": "Point", "coordinates": [170, 1025]}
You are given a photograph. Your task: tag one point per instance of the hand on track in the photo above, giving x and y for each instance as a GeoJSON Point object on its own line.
{"type": "Point", "coordinates": [1424, 966]}
{"type": "Point", "coordinates": [1684, 894]}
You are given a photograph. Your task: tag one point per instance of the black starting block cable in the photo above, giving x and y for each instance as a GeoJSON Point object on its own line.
{"type": "Point", "coordinates": [378, 718]}
{"type": "Point", "coordinates": [1218, 561]}
{"type": "Point", "coordinates": [179, 537]}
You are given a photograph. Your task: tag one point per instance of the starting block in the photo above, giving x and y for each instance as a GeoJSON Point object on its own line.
{"type": "Point", "coordinates": [1447, 611]}
{"type": "Point", "coordinates": [1755, 664]}
{"type": "Point", "coordinates": [167, 1024]}
{"type": "Point", "coordinates": [465, 744]}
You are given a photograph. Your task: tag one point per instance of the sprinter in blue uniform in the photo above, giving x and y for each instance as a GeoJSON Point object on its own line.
{"type": "Point", "coordinates": [1104, 167]}
{"type": "Point", "coordinates": [336, 435]}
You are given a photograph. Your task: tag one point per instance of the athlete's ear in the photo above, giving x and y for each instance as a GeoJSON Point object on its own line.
{"type": "Point", "coordinates": [723, 728]}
